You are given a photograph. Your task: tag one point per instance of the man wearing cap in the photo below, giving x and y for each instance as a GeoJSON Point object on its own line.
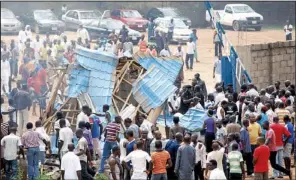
{"type": "Point", "coordinates": [82, 33]}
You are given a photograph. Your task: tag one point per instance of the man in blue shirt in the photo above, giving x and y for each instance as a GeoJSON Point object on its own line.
{"type": "Point", "coordinates": [96, 131]}
{"type": "Point", "coordinates": [129, 149]}
{"type": "Point", "coordinates": [172, 147]}
{"type": "Point", "coordinates": [288, 145]}
{"type": "Point", "coordinates": [246, 149]}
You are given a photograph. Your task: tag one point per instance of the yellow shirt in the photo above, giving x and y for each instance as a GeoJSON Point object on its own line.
{"type": "Point", "coordinates": [254, 131]}
{"type": "Point", "coordinates": [43, 53]}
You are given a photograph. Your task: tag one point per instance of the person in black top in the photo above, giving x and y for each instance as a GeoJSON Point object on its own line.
{"type": "Point", "coordinates": [231, 108]}
{"type": "Point", "coordinates": [202, 85]}
{"type": "Point", "coordinates": [186, 99]}
{"type": "Point", "coordinates": [197, 93]}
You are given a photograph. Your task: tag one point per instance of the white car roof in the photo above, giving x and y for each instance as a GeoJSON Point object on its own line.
{"type": "Point", "coordinates": [237, 5]}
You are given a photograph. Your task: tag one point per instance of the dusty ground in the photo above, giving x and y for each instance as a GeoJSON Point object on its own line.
{"type": "Point", "coordinates": [206, 50]}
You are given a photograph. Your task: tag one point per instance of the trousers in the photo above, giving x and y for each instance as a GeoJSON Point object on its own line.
{"type": "Point", "coordinates": [23, 116]}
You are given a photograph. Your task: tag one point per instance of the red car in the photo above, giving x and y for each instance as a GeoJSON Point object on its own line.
{"type": "Point", "coordinates": [132, 18]}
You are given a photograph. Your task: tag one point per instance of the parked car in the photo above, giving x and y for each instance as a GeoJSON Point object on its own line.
{"type": "Point", "coordinates": [109, 24]}
{"type": "Point", "coordinates": [154, 13]}
{"type": "Point", "coordinates": [43, 21]}
{"type": "Point", "coordinates": [73, 18]}
{"type": "Point", "coordinates": [132, 18]}
{"type": "Point", "coordinates": [181, 31]}
{"type": "Point", "coordinates": [9, 22]}
{"type": "Point", "coordinates": [239, 17]}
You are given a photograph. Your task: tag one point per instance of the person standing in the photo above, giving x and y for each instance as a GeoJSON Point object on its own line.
{"type": "Point", "coordinates": [111, 135]}
{"type": "Point", "coordinates": [288, 145]}
{"type": "Point", "coordinates": [131, 126]}
{"type": "Point", "coordinates": [5, 74]}
{"type": "Point", "coordinates": [288, 28]}
{"type": "Point", "coordinates": [279, 131]}
{"type": "Point", "coordinates": [202, 85]}
{"type": "Point", "coordinates": [171, 28]}
{"type": "Point", "coordinates": [217, 69]}
{"type": "Point", "coordinates": [143, 44]}
{"type": "Point", "coordinates": [200, 157]}
{"type": "Point", "coordinates": [254, 130]}
{"type": "Point", "coordinates": [11, 143]}
{"type": "Point", "coordinates": [172, 147]}
{"type": "Point", "coordinates": [210, 127]}
{"type": "Point", "coordinates": [64, 9]}
{"type": "Point", "coordinates": [218, 44]}
{"type": "Point", "coordinates": [15, 52]}
{"type": "Point", "coordinates": [96, 130]}
{"type": "Point", "coordinates": [30, 141]}
{"type": "Point", "coordinates": [176, 128]}
{"type": "Point", "coordinates": [271, 143]}
{"type": "Point", "coordinates": [65, 137]}
{"type": "Point", "coordinates": [236, 164]}
{"type": "Point", "coordinates": [217, 155]}
{"type": "Point", "coordinates": [36, 45]}
{"type": "Point", "coordinates": [216, 173]}
{"type": "Point", "coordinates": [159, 42]}
{"type": "Point", "coordinates": [161, 161]}
{"type": "Point", "coordinates": [82, 152]}
{"type": "Point", "coordinates": [123, 34]}
{"type": "Point", "coordinates": [129, 148]}
{"type": "Point", "coordinates": [189, 54]}
{"type": "Point", "coordinates": [151, 26]}
{"type": "Point", "coordinates": [246, 147]}
{"type": "Point", "coordinates": [116, 170]}
{"type": "Point", "coordinates": [42, 147]}
{"type": "Point", "coordinates": [260, 160]}
{"type": "Point", "coordinates": [70, 165]}
{"type": "Point", "coordinates": [194, 40]}
{"type": "Point", "coordinates": [82, 33]}
{"type": "Point", "coordinates": [185, 161]}
{"type": "Point", "coordinates": [22, 38]}
{"type": "Point", "coordinates": [138, 158]}
{"type": "Point", "coordinates": [82, 116]}
{"type": "Point", "coordinates": [22, 103]}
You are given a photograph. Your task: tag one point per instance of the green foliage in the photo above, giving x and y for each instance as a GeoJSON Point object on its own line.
{"type": "Point", "coordinates": [101, 177]}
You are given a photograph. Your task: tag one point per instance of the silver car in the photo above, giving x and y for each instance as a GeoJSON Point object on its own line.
{"type": "Point", "coordinates": [73, 18]}
{"type": "Point", "coordinates": [9, 22]}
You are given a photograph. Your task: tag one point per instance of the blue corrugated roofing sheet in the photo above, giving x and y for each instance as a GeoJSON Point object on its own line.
{"type": "Point", "coordinates": [171, 66]}
{"type": "Point", "coordinates": [93, 75]}
{"type": "Point", "coordinates": [153, 88]}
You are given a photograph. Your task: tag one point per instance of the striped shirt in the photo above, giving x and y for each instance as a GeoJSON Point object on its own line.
{"type": "Point", "coordinates": [112, 131]}
{"type": "Point", "coordinates": [31, 139]}
{"type": "Point", "coordinates": [234, 159]}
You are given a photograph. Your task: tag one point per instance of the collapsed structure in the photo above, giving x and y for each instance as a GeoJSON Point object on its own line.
{"type": "Point", "coordinates": [141, 84]}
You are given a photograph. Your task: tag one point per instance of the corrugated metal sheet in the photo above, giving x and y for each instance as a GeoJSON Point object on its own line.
{"type": "Point", "coordinates": [171, 66]}
{"type": "Point", "coordinates": [93, 75]}
{"type": "Point", "coordinates": [153, 88]}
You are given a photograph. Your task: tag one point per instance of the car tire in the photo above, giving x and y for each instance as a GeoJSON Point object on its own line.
{"type": "Point", "coordinates": [236, 26]}
{"type": "Point", "coordinates": [258, 28]}
{"type": "Point", "coordinates": [36, 29]}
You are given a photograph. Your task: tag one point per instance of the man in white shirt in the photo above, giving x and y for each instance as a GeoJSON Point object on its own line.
{"type": "Point", "coordinates": [200, 156]}
{"type": "Point", "coordinates": [217, 69]}
{"type": "Point", "coordinates": [138, 158]}
{"type": "Point", "coordinates": [190, 54]}
{"type": "Point", "coordinates": [42, 146]}
{"type": "Point", "coordinates": [220, 95]}
{"type": "Point", "coordinates": [171, 102]}
{"type": "Point", "coordinates": [216, 154]}
{"type": "Point", "coordinates": [146, 125]}
{"type": "Point", "coordinates": [82, 116]}
{"type": "Point", "coordinates": [5, 73]}
{"type": "Point", "coordinates": [65, 137]}
{"type": "Point", "coordinates": [36, 45]}
{"type": "Point", "coordinates": [82, 33]}
{"type": "Point", "coordinates": [70, 165]}
{"type": "Point", "coordinates": [11, 144]}
{"type": "Point", "coordinates": [22, 37]}
{"type": "Point", "coordinates": [216, 173]}
{"type": "Point", "coordinates": [165, 52]}
{"type": "Point", "coordinates": [252, 92]}
{"type": "Point", "coordinates": [288, 30]}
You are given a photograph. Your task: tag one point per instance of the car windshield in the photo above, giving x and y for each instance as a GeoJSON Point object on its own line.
{"type": "Point", "coordinates": [131, 14]}
{"type": "Point", "coordinates": [178, 24]}
{"type": "Point", "coordinates": [44, 15]}
{"type": "Point", "coordinates": [242, 9]}
{"type": "Point", "coordinates": [170, 12]}
{"type": "Point", "coordinates": [7, 15]}
{"type": "Point", "coordinates": [88, 15]}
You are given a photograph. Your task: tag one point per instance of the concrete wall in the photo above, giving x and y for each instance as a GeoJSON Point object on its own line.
{"type": "Point", "coordinates": [267, 63]}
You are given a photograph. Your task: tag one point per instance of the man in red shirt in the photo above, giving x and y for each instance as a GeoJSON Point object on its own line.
{"type": "Point", "coordinates": [260, 160]}
{"type": "Point", "coordinates": [271, 143]}
{"type": "Point", "coordinates": [279, 131]}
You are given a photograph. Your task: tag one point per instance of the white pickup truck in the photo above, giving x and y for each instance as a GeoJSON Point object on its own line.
{"type": "Point", "coordinates": [238, 16]}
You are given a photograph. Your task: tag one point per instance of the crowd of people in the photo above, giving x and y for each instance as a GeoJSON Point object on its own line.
{"type": "Point", "coordinates": [249, 127]}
